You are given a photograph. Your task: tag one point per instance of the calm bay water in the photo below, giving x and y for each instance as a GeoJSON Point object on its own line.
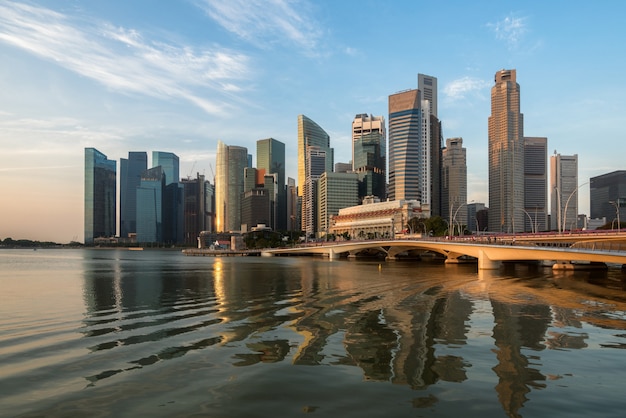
{"type": "Point", "coordinates": [110, 333]}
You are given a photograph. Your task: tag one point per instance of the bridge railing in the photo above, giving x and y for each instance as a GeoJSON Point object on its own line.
{"type": "Point", "coordinates": [601, 246]}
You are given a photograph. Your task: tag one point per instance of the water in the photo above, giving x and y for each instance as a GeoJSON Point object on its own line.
{"type": "Point", "coordinates": [110, 333]}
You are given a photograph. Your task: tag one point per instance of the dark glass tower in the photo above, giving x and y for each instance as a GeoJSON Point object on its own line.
{"type": "Point", "coordinates": [100, 195]}
{"type": "Point", "coordinates": [173, 218]}
{"type": "Point", "coordinates": [150, 197]}
{"type": "Point", "coordinates": [130, 179]}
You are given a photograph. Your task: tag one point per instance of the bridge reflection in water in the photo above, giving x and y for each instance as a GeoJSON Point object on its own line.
{"type": "Point", "coordinates": [489, 252]}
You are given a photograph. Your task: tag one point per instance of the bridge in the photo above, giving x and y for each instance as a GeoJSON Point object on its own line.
{"type": "Point", "coordinates": [489, 254]}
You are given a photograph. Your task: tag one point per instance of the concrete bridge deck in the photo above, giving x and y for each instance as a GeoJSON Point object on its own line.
{"type": "Point", "coordinates": [489, 256]}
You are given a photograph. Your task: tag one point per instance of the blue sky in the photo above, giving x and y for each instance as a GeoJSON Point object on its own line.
{"type": "Point", "coordinates": [127, 76]}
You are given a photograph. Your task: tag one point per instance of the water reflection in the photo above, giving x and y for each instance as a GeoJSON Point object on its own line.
{"type": "Point", "coordinates": [414, 325]}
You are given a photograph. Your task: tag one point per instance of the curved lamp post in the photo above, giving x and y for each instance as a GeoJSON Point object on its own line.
{"type": "Point", "coordinates": [530, 219]}
{"type": "Point", "coordinates": [616, 204]}
{"type": "Point", "coordinates": [567, 203]}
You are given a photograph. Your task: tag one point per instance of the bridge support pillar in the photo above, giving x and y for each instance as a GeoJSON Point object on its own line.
{"type": "Point", "coordinates": [266, 254]}
{"type": "Point", "coordinates": [485, 263]}
{"type": "Point", "coordinates": [332, 255]}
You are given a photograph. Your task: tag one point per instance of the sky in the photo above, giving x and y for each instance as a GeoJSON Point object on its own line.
{"type": "Point", "coordinates": [124, 76]}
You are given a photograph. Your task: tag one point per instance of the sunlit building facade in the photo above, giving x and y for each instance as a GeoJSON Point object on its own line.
{"type": "Point", "coordinates": [335, 191]}
{"type": "Point", "coordinates": [454, 182]}
{"type": "Point", "coordinates": [310, 134]}
{"type": "Point", "coordinates": [369, 155]}
{"type": "Point", "coordinates": [506, 155]}
{"type": "Point", "coordinates": [563, 192]}
{"type": "Point", "coordinates": [229, 186]}
{"type": "Point", "coordinates": [100, 196]}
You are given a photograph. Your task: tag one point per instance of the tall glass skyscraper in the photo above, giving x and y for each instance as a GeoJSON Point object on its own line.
{"type": "Point", "coordinates": [231, 161]}
{"type": "Point", "coordinates": [130, 179]}
{"type": "Point", "coordinates": [150, 195]}
{"type": "Point", "coordinates": [270, 156]}
{"type": "Point", "coordinates": [405, 135]}
{"type": "Point", "coordinates": [173, 219]}
{"type": "Point", "coordinates": [100, 195]}
{"type": "Point", "coordinates": [310, 134]}
{"type": "Point", "coordinates": [506, 155]}
{"type": "Point", "coordinates": [368, 155]}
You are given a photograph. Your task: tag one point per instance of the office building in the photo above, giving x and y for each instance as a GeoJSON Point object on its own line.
{"type": "Point", "coordinates": [343, 167]}
{"type": "Point", "coordinates": [369, 155]}
{"type": "Point", "coordinates": [229, 183]}
{"type": "Point", "coordinates": [197, 208]}
{"type": "Point", "coordinates": [335, 191]}
{"type": "Point", "coordinates": [607, 194]}
{"type": "Point", "coordinates": [535, 184]}
{"type": "Point", "coordinates": [293, 218]}
{"type": "Point", "coordinates": [432, 137]}
{"type": "Point", "coordinates": [454, 183]}
{"type": "Point", "coordinates": [310, 134]}
{"type": "Point", "coordinates": [173, 229]}
{"type": "Point", "coordinates": [405, 162]}
{"type": "Point", "coordinates": [476, 217]}
{"type": "Point", "coordinates": [270, 156]}
{"type": "Point", "coordinates": [564, 191]}
{"type": "Point", "coordinates": [150, 202]}
{"type": "Point", "coordinates": [100, 196]}
{"type": "Point", "coordinates": [428, 86]}
{"type": "Point", "coordinates": [506, 155]}
{"type": "Point", "coordinates": [315, 167]}
{"type": "Point", "coordinates": [130, 178]}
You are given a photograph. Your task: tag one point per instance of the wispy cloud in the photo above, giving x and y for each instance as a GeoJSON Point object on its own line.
{"type": "Point", "coordinates": [263, 22]}
{"type": "Point", "coordinates": [462, 87]}
{"type": "Point", "coordinates": [122, 59]}
{"type": "Point", "coordinates": [511, 30]}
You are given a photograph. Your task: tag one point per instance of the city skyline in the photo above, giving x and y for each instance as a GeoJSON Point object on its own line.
{"type": "Point", "coordinates": [124, 77]}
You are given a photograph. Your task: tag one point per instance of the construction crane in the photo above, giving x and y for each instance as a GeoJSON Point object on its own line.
{"type": "Point", "coordinates": [191, 171]}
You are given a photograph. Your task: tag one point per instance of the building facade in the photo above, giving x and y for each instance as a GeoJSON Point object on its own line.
{"type": "Point", "coordinates": [270, 156]}
{"type": "Point", "coordinates": [100, 196]}
{"type": "Point", "coordinates": [335, 191]}
{"type": "Point", "coordinates": [405, 134]}
{"type": "Point", "coordinates": [454, 182]}
{"type": "Point", "coordinates": [197, 208]}
{"type": "Point", "coordinates": [150, 202]}
{"type": "Point", "coordinates": [369, 155]}
{"type": "Point", "coordinates": [377, 219]}
{"type": "Point", "coordinates": [229, 185]}
{"type": "Point", "coordinates": [607, 194]}
{"type": "Point", "coordinates": [535, 184]}
{"type": "Point", "coordinates": [564, 192]}
{"type": "Point", "coordinates": [310, 134]}
{"type": "Point", "coordinates": [506, 155]}
{"type": "Point", "coordinates": [130, 178]}
{"type": "Point", "coordinates": [316, 166]}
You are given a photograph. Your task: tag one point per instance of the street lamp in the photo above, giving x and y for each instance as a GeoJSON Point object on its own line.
{"type": "Point", "coordinates": [619, 225]}
{"type": "Point", "coordinates": [530, 219]}
{"type": "Point", "coordinates": [453, 220]}
{"type": "Point", "coordinates": [567, 202]}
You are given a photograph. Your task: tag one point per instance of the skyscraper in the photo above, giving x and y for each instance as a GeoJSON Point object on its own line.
{"type": "Point", "coordinates": [564, 191]}
{"type": "Point", "coordinates": [310, 134]}
{"type": "Point", "coordinates": [130, 179]}
{"type": "Point", "coordinates": [197, 208]}
{"type": "Point", "coordinates": [270, 156]}
{"type": "Point", "coordinates": [607, 193]}
{"type": "Point", "coordinates": [100, 195]}
{"type": "Point", "coordinates": [405, 136]}
{"type": "Point", "coordinates": [335, 191]}
{"type": "Point", "coordinates": [535, 184]}
{"type": "Point", "coordinates": [150, 199]}
{"type": "Point", "coordinates": [173, 218]}
{"type": "Point", "coordinates": [231, 160]}
{"type": "Point", "coordinates": [368, 155]}
{"type": "Point", "coordinates": [454, 182]}
{"type": "Point", "coordinates": [506, 155]}
{"type": "Point", "coordinates": [428, 86]}
{"type": "Point", "coordinates": [316, 166]}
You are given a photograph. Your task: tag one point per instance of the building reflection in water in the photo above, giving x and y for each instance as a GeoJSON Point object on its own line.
{"type": "Point", "coordinates": [406, 326]}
